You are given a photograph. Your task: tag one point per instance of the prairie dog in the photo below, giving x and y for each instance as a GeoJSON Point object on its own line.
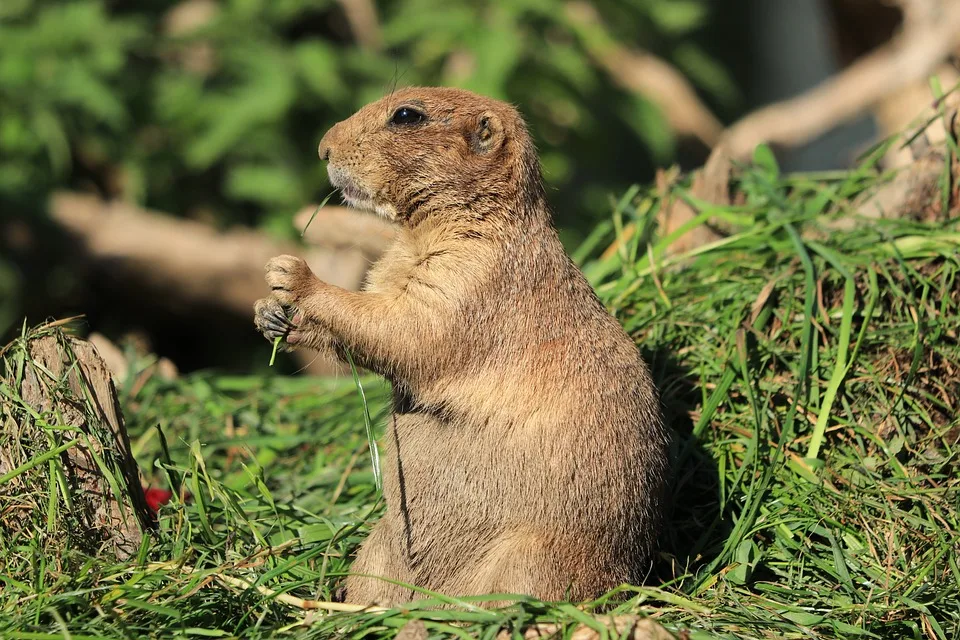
{"type": "Point", "coordinates": [526, 453]}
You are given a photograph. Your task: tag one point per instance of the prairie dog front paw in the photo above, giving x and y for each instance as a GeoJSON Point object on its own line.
{"type": "Point", "coordinates": [275, 320]}
{"type": "Point", "coordinates": [290, 279]}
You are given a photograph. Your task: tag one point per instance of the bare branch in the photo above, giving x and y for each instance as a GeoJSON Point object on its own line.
{"type": "Point", "coordinates": [362, 16]}
{"type": "Point", "coordinates": [927, 40]}
{"type": "Point", "coordinates": [643, 73]}
{"type": "Point", "coordinates": [190, 258]}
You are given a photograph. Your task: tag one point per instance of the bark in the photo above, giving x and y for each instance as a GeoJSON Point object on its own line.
{"type": "Point", "coordinates": [65, 383]}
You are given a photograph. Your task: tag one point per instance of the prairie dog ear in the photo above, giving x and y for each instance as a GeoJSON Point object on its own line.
{"type": "Point", "coordinates": [487, 134]}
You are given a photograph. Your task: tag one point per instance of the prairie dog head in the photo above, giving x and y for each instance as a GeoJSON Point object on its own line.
{"type": "Point", "coordinates": [421, 151]}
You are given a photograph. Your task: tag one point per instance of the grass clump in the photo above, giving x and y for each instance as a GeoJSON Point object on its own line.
{"type": "Point", "coordinates": [68, 486]}
{"type": "Point", "coordinates": [811, 376]}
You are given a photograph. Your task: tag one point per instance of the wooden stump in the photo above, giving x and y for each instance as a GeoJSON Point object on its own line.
{"type": "Point", "coordinates": [66, 470]}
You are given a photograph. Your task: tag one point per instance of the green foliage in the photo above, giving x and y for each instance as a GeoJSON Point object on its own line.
{"type": "Point", "coordinates": [224, 117]}
{"type": "Point", "coordinates": [61, 79]}
{"type": "Point", "coordinates": [745, 338]}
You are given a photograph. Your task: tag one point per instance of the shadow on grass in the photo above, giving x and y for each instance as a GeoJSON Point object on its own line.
{"type": "Point", "coordinates": [695, 527]}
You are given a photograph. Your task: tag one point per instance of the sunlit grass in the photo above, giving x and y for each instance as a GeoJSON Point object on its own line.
{"type": "Point", "coordinates": [811, 377]}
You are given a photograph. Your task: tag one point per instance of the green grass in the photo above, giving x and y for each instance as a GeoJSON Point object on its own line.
{"type": "Point", "coordinates": [812, 378]}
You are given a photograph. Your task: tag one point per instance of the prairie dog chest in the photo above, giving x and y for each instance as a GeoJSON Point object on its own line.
{"type": "Point", "coordinates": [394, 270]}
{"type": "Point", "coordinates": [429, 264]}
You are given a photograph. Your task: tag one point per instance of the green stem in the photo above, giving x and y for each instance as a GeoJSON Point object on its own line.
{"type": "Point", "coordinates": [276, 345]}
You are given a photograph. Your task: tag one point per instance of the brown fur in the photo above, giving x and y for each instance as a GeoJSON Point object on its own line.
{"type": "Point", "coordinates": [526, 453]}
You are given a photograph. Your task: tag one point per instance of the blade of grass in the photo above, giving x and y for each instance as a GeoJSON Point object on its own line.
{"type": "Point", "coordinates": [840, 370]}
{"type": "Point", "coordinates": [371, 440]}
{"type": "Point", "coordinates": [322, 204]}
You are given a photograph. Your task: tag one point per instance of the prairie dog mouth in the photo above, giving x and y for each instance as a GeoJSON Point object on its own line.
{"type": "Point", "coordinates": [352, 194]}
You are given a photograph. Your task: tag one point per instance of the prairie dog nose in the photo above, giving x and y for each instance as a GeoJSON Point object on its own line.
{"type": "Point", "coordinates": [324, 149]}
{"type": "Point", "coordinates": [327, 143]}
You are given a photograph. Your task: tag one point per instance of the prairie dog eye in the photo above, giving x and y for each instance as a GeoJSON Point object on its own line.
{"type": "Point", "coordinates": [407, 116]}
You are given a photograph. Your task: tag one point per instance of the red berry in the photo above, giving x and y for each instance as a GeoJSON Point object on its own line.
{"type": "Point", "coordinates": [157, 498]}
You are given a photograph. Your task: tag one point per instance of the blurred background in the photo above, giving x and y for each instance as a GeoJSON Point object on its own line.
{"type": "Point", "coordinates": [154, 153]}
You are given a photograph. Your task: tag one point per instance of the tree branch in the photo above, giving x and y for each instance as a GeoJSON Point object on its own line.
{"type": "Point", "coordinates": [362, 17]}
{"type": "Point", "coordinates": [645, 74]}
{"type": "Point", "coordinates": [928, 38]}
